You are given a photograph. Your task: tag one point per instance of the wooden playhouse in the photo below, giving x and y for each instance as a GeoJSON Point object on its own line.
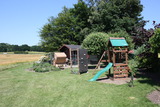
{"type": "Point", "coordinates": [118, 54]}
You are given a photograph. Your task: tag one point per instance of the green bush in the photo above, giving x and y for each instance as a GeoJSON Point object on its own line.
{"type": "Point", "coordinates": [155, 41]}
{"type": "Point", "coordinates": [133, 65]}
{"type": "Point", "coordinates": [20, 52]}
{"type": "Point", "coordinates": [144, 57]}
{"type": "Point", "coordinates": [96, 43]}
{"type": "Point", "coordinates": [44, 67]}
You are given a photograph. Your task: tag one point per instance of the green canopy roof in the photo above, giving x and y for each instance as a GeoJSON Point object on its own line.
{"type": "Point", "coordinates": [118, 42]}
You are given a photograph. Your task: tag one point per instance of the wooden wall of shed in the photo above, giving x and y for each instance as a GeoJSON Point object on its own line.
{"type": "Point", "coordinates": [66, 51]}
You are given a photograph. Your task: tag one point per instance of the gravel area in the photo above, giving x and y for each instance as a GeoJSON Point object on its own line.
{"type": "Point", "coordinates": [154, 97]}
{"type": "Point", "coordinates": [118, 81]}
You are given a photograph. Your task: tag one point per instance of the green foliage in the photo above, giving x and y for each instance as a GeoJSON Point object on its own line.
{"type": "Point", "coordinates": [70, 27]}
{"type": "Point", "coordinates": [139, 50]}
{"type": "Point", "coordinates": [44, 67]}
{"type": "Point", "coordinates": [96, 43]}
{"type": "Point", "coordinates": [133, 65]}
{"type": "Point", "coordinates": [114, 15]}
{"type": "Point", "coordinates": [20, 52]}
{"type": "Point", "coordinates": [155, 41]}
{"type": "Point", "coordinates": [144, 57]}
{"type": "Point", "coordinates": [5, 47]}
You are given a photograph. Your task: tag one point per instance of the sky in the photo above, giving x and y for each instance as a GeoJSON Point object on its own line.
{"type": "Point", "coordinates": [21, 20]}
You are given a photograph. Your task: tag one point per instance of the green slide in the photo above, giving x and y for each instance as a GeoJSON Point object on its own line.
{"type": "Point", "coordinates": [101, 72]}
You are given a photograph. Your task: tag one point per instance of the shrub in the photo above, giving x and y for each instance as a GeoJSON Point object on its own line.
{"type": "Point", "coordinates": [155, 41]}
{"type": "Point", "coordinates": [95, 43]}
{"type": "Point", "coordinates": [20, 52]}
{"type": "Point", "coordinates": [44, 67]}
{"type": "Point", "coordinates": [133, 65]}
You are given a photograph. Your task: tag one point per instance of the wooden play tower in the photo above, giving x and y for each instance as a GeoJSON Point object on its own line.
{"type": "Point", "coordinates": [118, 54]}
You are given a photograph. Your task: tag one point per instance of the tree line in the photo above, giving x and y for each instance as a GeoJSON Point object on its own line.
{"type": "Point", "coordinates": [5, 47]}
{"type": "Point", "coordinates": [72, 25]}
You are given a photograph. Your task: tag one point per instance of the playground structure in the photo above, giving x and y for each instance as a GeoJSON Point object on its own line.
{"type": "Point", "coordinates": [117, 57]}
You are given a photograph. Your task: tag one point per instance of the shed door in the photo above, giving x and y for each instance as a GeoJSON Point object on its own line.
{"type": "Point", "coordinates": [83, 61]}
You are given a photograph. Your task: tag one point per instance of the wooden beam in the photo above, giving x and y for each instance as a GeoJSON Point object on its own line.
{"type": "Point", "coordinates": [70, 57]}
{"type": "Point", "coordinates": [120, 51]}
{"type": "Point", "coordinates": [127, 56]}
{"type": "Point", "coordinates": [121, 68]}
{"type": "Point", "coordinates": [120, 64]}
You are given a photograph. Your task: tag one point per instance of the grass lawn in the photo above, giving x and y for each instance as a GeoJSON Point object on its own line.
{"type": "Point", "coordinates": [22, 88]}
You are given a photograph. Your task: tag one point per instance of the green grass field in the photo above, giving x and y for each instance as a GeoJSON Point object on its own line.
{"type": "Point", "coordinates": [22, 88]}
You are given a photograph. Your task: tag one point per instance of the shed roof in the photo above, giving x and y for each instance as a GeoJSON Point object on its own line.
{"type": "Point", "coordinates": [118, 42]}
{"type": "Point", "coordinates": [71, 46]}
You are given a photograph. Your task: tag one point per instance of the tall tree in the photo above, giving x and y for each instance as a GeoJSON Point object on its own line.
{"type": "Point", "coordinates": [70, 27]}
{"type": "Point", "coordinates": [114, 15]}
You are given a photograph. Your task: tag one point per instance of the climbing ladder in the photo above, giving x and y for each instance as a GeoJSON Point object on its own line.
{"type": "Point", "coordinates": [99, 62]}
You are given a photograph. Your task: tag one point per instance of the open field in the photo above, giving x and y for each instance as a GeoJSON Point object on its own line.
{"type": "Point", "coordinates": [6, 59]}
{"type": "Point", "coordinates": [22, 88]}
{"type": "Point", "coordinates": [29, 52]}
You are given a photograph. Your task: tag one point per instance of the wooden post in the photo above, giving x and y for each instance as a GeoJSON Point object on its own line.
{"type": "Point", "coordinates": [114, 57]}
{"type": "Point", "coordinates": [78, 57]}
{"type": "Point", "coordinates": [70, 52]}
{"type": "Point", "coordinates": [114, 62]}
{"type": "Point", "coordinates": [126, 56]}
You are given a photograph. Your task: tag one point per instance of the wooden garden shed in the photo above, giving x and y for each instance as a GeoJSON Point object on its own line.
{"type": "Point", "coordinates": [71, 52]}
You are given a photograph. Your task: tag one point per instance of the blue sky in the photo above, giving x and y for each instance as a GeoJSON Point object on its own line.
{"type": "Point", "coordinates": [20, 20]}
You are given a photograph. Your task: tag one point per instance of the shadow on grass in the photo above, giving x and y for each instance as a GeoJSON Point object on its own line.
{"type": "Point", "coordinates": [151, 78]}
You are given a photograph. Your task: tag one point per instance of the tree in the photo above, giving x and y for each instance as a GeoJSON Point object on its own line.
{"type": "Point", "coordinates": [15, 48]}
{"type": "Point", "coordinates": [114, 15]}
{"type": "Point", "coordinates": [25, 47]}
{"type": "Point", "coordinates": [96, 43]}
{"type": "Point", "coordinates": [155, 41]}
{"type": "Point", "coordinates": [36, 48]}
{"type": "Point", "coordinates": [70, 27]}
{"type": "Point", "coordinates": [3, 47]}
{"type": "Point", "coordinates": [49, 39]}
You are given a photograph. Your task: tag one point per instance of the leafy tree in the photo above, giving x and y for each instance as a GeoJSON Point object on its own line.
{"type": "Point", "coordinates": [114, 15]}
{"type": "Point", "coordinates": [155, 41]}
{"type": "Point", "coordinates": [49, 41]}
{"type": "Point", "coordinates": [3, 47]}
{"type": "Point", "coordinates": [36, 48]}
{"type": "Point", "coordinates": [147, 52]}
{"type": "Point", "coordinates": [96, 43]}
{"type": "Point", "coordinates": [70, 27]}
{"type": "Point", "coordinates": [15, 48]}
{"type": "Point", "coordinates": [25, 47]}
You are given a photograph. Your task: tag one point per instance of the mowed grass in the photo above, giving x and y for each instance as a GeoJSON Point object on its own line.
{"type": "Point", "coordinates": [6, 59]}
{"type": "Point", "coordinates": [22, 88]}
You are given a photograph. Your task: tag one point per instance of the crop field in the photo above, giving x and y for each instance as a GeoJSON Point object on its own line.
{"type": "Point", "coordinates": [6, 59]}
